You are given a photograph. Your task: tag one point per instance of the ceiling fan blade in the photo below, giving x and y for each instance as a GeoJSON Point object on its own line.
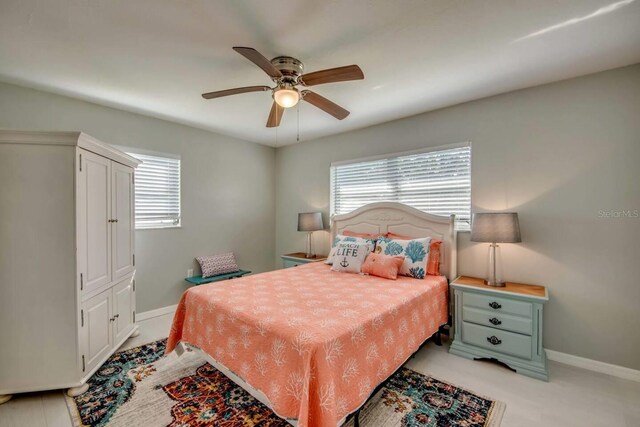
{"type": "Point", "coordinates": [221, 93]}
{"type": "Point", "coordinates": [257, 58]}
{"type": "Point", "coordinates": [332, 75]}
{"type": "Point", "coordinates": [324, 104]}
{"type": "Point", "coordinates": [275, 116]}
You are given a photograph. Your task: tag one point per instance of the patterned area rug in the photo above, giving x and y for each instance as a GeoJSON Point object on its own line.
{"type": "Point", "coordinates": [140, 387]}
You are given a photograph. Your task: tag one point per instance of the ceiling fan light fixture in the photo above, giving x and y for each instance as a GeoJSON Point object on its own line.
{"type": "Point", "coordinates": [287, 73]}
{"type": "Point", "coordinates": [286, 96]}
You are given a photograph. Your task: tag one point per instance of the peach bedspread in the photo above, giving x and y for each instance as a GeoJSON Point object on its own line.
{"type": "Point", "coordinates": [315, 342]}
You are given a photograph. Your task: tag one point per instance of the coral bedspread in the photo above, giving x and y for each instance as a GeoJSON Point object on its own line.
{"type": "Point", "coordinates": [315, 342]}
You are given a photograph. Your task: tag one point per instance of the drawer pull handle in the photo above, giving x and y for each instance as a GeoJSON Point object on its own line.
{"type": "Point", "coordinates": [495, 305]}
{"type": "Point", "coordinates": [495, 321]}
{"type": "Point", "coordinates": [494, 340]}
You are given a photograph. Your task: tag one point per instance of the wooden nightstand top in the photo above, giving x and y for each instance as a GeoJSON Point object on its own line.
{"type": "Point", "coordinates": [535, 291]}
{"type": "Point", "coordinates": [303, 257]}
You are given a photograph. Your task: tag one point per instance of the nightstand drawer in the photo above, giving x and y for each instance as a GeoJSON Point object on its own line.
{"type": "Point", "coordinates": [492, 319]}
{"type": "Point", "coordinates": [498, 304]}
{"type": "Point", "coordinates": [298, 258]}
{"type": "Point", "coordinates": [496, 340]}
{"type": "Point", "coordinates": [286, 263]}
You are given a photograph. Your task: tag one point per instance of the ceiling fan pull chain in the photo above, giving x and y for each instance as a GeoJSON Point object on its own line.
{"type": "Point", "coordinates": [298, 114]}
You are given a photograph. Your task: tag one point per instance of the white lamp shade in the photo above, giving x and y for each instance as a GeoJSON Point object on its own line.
{"type": "Point", "coordinates": [286, 98]}
{"type": "Point", "coordinates": [495, 228]}
{"type": "Point", "coordinates": [310, 221]}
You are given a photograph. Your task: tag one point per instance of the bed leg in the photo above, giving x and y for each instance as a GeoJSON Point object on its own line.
{"type": "Point", "coordinates": [438, 338]}
{"type": "Point", "coordinates": [356, 418]}
{"type": "Point", "coordinates": [179, 349]}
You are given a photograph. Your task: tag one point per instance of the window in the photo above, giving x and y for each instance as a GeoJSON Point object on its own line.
{"type": "Point", "coordinates": [437, 181]}
{"type": "Point", "coordinates": [157, 181]}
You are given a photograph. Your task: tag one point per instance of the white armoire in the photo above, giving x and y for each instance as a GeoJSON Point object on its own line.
{"type": "Point", "coordinates": [67, 258]}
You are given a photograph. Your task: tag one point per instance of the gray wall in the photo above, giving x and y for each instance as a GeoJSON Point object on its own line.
{"type": "Point", "coordinates": [557, 154]}
{"type": "Point", "coordinates": [228, 189]}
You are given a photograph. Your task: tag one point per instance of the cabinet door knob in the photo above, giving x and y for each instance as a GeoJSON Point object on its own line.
{"type": "Point", "coordinates": [495, 321]}
{"type": "Point", "coordinates": [494, 340]}
{"type": "Point", "coordinates": [494, 305]}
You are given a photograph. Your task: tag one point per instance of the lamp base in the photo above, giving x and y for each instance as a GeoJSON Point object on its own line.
{"type": "Point", "coordinates": [495, 284]}
{"type": "Point", "coordinates": [309, 253]}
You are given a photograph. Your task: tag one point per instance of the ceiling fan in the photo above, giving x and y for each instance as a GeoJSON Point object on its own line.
{"type": "Point", "coordinates": [287, 73]}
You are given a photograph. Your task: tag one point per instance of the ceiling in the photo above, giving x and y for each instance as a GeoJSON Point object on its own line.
{"type": "Point", "coordinates": [157, 56]}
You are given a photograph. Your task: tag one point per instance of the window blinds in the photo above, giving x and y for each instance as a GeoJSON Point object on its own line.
{"type": "Point", "coordinates": [437, 182]}
{"type": "Point", "coordinates": [157, 181]}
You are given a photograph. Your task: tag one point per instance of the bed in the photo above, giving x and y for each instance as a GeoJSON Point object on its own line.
{"type": "Point", "coordinates": [313, 344]}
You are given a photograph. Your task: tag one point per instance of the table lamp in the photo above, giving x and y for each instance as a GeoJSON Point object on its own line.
{"type": "Point", "coordinates": [495, 228]}
{"type": "Point", "coordinates": [310, 222]}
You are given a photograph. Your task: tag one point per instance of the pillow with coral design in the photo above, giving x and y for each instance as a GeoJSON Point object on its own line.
{"type": "Point", "coordinates": [433, 261]}
{"type": "Point", "coordinates": [415, 252]}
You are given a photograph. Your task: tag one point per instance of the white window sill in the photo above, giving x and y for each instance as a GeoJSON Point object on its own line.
{"type": "Point", "coordinates": [158, 227]}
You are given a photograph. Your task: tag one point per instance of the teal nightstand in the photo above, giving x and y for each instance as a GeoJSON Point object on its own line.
{"type": "Point", "coordinates": [504, 324]}
{"type": "Point", "coordinates": [298, 258]}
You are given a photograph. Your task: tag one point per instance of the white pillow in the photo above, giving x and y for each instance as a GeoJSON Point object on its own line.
{"type": "Point", "coordinates": [415, 252]}
{"type": "Point", "coordinates": [350, 239]}
{"type": "Point", "coordinates": [350, 256]}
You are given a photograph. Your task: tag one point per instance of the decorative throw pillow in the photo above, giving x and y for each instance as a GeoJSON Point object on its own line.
{"type": "Point", "coordinates": [351, 239]}
{"type": "Point", "coordinates": [350, 256]}
{"type": "Point", "coordinates": [213, 265]}
{"type": "Point", "coordinates": [433, 263]}
{"type": "Point", "coordinates": [380, 265]}
{"type": "Point", "coordinates": [415, 253]}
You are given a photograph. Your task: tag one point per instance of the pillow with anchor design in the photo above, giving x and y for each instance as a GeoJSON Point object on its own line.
{"type": "Point", "coordinates": [350, 256]}
{"type": "Point", "coordinates": [351, 239]}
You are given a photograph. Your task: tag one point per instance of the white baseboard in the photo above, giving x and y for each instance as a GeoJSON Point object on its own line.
{"type": "Point", "coordinates": [594, 365]}
{"type": "Point", "coordinates": [157, 312]}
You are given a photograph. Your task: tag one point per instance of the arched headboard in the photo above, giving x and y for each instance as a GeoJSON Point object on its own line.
{"type": "Point", "coordinates": [386, 217]}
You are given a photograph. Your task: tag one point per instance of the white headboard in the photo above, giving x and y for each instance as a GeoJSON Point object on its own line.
{"type": "Point", "coordinates": [389, 217]}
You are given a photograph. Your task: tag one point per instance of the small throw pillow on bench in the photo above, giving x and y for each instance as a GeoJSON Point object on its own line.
{"type": "Point", "coordinates": [214, 265]}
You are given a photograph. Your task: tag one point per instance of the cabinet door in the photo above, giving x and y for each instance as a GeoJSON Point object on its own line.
{"type": "Point", "coordinates": [122, 212]}
{"type": "Point", "coordinates": [123, 307]}
{"type": "Point", "coordinates": [98, 342]}
{"type": "Point", "coordinates": [94, 213]}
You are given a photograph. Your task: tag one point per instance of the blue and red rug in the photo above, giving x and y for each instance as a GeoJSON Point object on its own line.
{"type": "Point", "coordinates": [141, 387]}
